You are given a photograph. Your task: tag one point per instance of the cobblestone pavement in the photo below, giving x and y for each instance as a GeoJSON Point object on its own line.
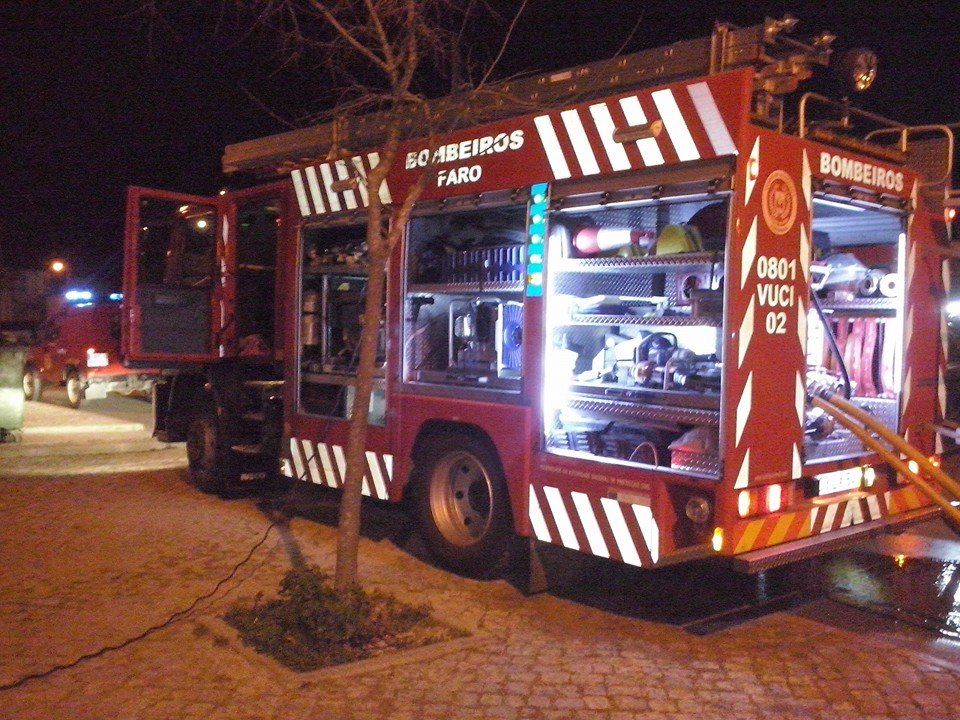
{"type": "Point", "coordinates": [92, 559]}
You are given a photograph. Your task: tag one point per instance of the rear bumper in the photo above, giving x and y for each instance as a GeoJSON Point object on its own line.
{"type": "Point", "coordinates": [784, 553]}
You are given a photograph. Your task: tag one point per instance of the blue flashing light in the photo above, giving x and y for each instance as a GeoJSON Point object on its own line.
{"type": "Point", "coordinates": [78, 295]}
{"type": "Point", "coordinates": [116, 297]}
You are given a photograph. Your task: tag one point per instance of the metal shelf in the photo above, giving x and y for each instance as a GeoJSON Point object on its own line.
{"type": "Point", "coordinates": [466, 287]}
{"type": "Point", "coordinates": [870, 304]}
{"type": "Point", "coordinates": [655, 263]}
{"type": "Point", "coordinates": [648, 321]}
{"type": "Point", "coordinates": [642, 411]}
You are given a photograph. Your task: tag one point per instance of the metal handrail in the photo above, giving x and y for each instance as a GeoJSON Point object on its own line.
{"type": "Point", "coordinates": [845, 110]}
{"type": "Point", "coordinates": [904, 139]}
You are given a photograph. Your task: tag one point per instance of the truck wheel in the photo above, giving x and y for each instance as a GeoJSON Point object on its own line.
{"type": "Point", "coordinates": [32, 385]}
{"type": "Point", "coordinates": [208, 455]}
{"type": "Point", "coordinates": [74, 389]}
{"type": "Point", "coordinates": [462, 504]}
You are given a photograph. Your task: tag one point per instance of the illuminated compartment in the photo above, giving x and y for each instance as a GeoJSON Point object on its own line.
{"type": "Point", "coordinates": [634, 304]}
{"type": "Point", "coordinates": [463, 307]}
{"type": "Point", "coordinates": [856, 274]}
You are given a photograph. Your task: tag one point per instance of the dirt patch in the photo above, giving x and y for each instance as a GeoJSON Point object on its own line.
{"type": "Point", "coordinates": [310, 626]}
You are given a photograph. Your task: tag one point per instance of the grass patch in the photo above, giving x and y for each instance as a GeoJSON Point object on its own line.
{"type": "Point", "coordinates": [310, 626]}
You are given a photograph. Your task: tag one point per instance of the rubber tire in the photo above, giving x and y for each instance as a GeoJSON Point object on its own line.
{"type": "Point", "coordinates": [74, 377]}
{"type": "Point", "coordinates": [209, 457]}
{"type": "Point", "coordinates": [34, 390]}
{"type": "Point", "coordinates": [486, 556]}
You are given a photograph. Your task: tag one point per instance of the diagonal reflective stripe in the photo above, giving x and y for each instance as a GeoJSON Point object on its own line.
{"type": "Point", "coordinates": [285, 468]}
{"type": "Point", "coordinates": [297, 460]}
{"type": "Point", "coordinates": [605, 127]}
{"type": "Point", "coordinates": [711, 118]}
{"type": "Point", "coordinates": [560, 517]}
{"type": "Point", "coordinates": [581, 146]}
{"type": "Point", "coordinates": [301, 193]}
{"type": "Point", "coordinates": [362, 184]}
{"type": "Point", "coordinates": [311, 457]}
{"type": "Point", "coordinates": [746, 333]}
{"type": "Point", "coordinates": [590, 526]}
{"type": "Point", "coordinates": [537, 521]}
{"type": "Point", "coordinates": [328, 474]}
{"type": "Point", "coordinates": [618, 524]}
{"type": "Point", "coordinates": [388, 464]}
{"type": "Point", "coordinates": [648, 526]}
{"type": "Point", "coordinates": [315, 193]}
{"type": "Point", "coordinates": [744, 407]}
{"type": "Point", "coordinates": [551, 146]}
{"type": "Point", "coordinates": [348, 195]}
{"type": "Point", "coordinates": [331, 195]}
{"type": "Point", "coordinates": [341, 462]}
{"type": "Point", "coordinates": [676, 126]}
{"type": "Point", "coordinates": [829, 514]}
{"type": "Point", "coordinates": [383, 191]}
{"type": "Point", "coordinates": [376, 475]}
{"type": "Point", "coordinates": [633, 112]}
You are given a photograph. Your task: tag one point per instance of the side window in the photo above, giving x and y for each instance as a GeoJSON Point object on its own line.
{"type": "Point", "coordinates": [334, 284]}
{"type": "Point", "coordinates": [176, 244]}
{"type": "Point", "coordinates": [463, 315]}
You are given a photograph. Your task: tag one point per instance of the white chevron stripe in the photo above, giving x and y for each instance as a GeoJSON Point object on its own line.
{"type": "Point", "coordinates": [712, 121]}
{"type": "Point", "coordinates": [383, 191]}
{"type": "Point", "coordinates": [589, 522]}
{"type": "Point", "coordinates": [752, 172]}
{"type": "Point", "coordinates": [348, 195]}
{"type": "Point", "coordinates": [285, 468]}
{"type": "Point", "coordinates": [804, 253]}
{"type": "Point", "coordinates": [633, 112]}
{"type": "Point", "coordinates": [605, 127]}
{"type": "Point", "coordinates": [560, 517]}
{"type": "Point", "coordinates": [327, 180]}
{"type": "Point", "coordinates": [676, 126]}
{"type": "Point", "coordinates": [746, 333]}
{"type": "Point", "coordinates": [377, 475]}
{"type": "Point", "coordinates": [744, 407]}
{"type": "Point", "coordinates": [748, 253]}
{"type": "Point", "coordinates": [551, 146]}
{"type": "Point", "coordinates": [802, 325]}
{"type": "Point", "coordinates": [328, 473]}
{"type": "Point", "coordinates": [909, 336]}
{"type": "Point", "coordinates": [743, 476]}
{"type": "Point", "coordinates": [806, 181]}
{"type": "Point", "coordinates": [648, 526]}
{"type": "Point", "coordinates": [800, 397]}
{"type": "Point", "coordinates": [311, 457]}
{"type": "Point", "coordinates": [907, 390]}
{"type": "Point", "coordinates": [618, 525]}
{"type": "Point", "coordinates": [388, 464]}
{"type": "Point", "coordinates": [315, 193]}
{"type": "Point", "coordinates": [301, 194]}
{"type": "Point", "coordinates": [362, 182]}
{"type": "Point", "coordinates": [829, 514]}
{"type": "Point", "coordinates": [297, 460]}
{"type": "Point", "coordinates": [341, 462]}
{"type": "Point", "coordinates": [814, 511]}
{"type": "Point", "coordinates": [847, 518]}
{"type": "Point", "coordinates": [581, 145]}
{"type": "Point", "coordinates": [874, 506]}
{"type": "Point", "coordinates": [797, 464]}
{"type": "Point", "coordinates": [537, 521]}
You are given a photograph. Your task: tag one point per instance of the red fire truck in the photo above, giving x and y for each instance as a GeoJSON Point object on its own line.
{"type": "Point", "coordinates": [626, 323]}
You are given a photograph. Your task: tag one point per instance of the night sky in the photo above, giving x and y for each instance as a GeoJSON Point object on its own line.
{"type": "Point", "coordinates": [94, 97]}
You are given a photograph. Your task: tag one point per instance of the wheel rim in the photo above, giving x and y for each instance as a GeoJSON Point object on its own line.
{"type": "Point", "coordinates": [28, 385]}
{"type": "Point", "coordinates": [461, 498]}
{"type": "Point", "coordinates": [199, 447]}
{"type": "Point", "coordinates": [73, 389]}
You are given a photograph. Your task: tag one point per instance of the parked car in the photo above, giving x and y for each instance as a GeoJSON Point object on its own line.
{"type": "Point", "coordinates": [78, 348]}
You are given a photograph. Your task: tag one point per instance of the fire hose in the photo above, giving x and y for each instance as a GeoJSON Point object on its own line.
{"type": "Point", "coordinates": [837, 411]}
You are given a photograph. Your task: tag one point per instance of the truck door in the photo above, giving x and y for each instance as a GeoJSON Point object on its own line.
{"type": "Point", "coordinates": [173, 269]}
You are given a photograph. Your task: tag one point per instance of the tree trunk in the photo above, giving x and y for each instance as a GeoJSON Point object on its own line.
{"type": "Point", "coordinates": [348, 529]}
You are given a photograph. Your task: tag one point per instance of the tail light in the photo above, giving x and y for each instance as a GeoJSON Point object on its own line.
{"type": "Point", "coordinates": [767, 499]}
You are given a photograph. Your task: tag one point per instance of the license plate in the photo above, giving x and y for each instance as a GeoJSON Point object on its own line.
{"type": "Point", "coordinates": [839, 481]}
{"type": "Point", "coordinates": [96, 359]}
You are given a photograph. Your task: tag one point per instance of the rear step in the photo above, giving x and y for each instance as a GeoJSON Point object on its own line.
{"type": "Point", "coordinates": [250, 450]}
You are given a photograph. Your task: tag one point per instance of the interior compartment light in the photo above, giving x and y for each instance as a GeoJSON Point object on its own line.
{"type": "Point", "coordinates": [743, 503]}
{"type": "Point", "coordinates": [934, 460]}
{"type": "Point", "coordinates": [774, 498]}
{"type": "Point", "coordinates": [869, 476]}
{"type": "Point", "coordinates": [717, 540]}
{"type": "Point", "coordinates": [913, 467]}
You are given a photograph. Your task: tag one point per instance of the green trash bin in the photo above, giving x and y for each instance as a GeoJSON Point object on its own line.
{"type": "Point", "coordinates": [11, 390]}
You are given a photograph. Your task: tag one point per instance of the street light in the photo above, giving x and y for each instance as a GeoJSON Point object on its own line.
{"type": "Point", "coordinates": [57, 266]}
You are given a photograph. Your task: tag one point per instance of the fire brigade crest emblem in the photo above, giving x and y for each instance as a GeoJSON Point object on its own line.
{"type": "Point", "coordinates": [779, 201]}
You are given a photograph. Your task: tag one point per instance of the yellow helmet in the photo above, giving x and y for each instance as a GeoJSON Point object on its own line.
{"type": "Point", "coordinates": [676, 239]}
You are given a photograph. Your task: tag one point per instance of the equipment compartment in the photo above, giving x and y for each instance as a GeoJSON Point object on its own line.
{"type": "Point", "coordinates": [634, 307]}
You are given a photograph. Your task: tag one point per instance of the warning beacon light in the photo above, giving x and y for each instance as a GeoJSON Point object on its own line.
{"type": "Point", "coordinates": [78, 296]}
